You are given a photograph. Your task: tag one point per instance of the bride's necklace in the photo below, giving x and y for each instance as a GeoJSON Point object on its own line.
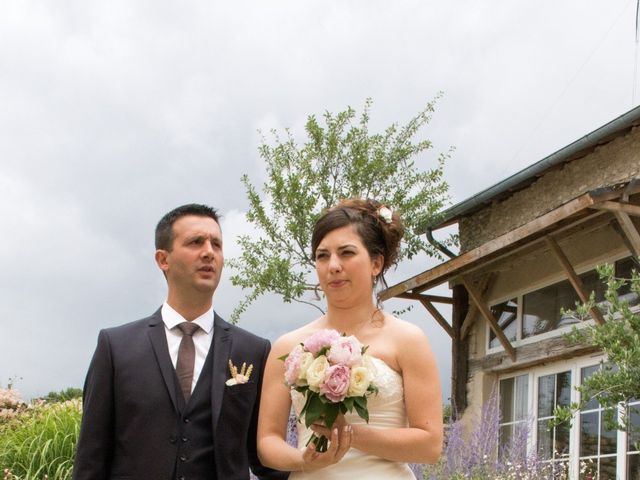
{"type": "Point", "coordinates": [361, 325]}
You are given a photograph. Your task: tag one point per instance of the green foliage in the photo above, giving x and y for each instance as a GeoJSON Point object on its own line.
{"type": "Point", "coordinates": [339, 159]}
{"type": "Point", "coordinates": [617, 381]}
{"type": "Point", "coordinates": [63, 395]}
{"type": "Point", "coordinates": [40, 441]}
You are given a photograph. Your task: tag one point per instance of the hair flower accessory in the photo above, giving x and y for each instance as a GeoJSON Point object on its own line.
{"type": "Point", "coordinates": [386, 214]}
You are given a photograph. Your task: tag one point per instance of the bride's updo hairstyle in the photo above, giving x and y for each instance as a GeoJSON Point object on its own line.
{"type": "Point", "coordinates": [379, 227]}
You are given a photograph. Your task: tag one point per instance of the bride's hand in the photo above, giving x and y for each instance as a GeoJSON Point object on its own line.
{"type": "Point", "coordinates": [339, 444]}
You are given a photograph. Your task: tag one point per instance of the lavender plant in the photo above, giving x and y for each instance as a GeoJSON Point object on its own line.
{"type": "Point", "coordinates": [474, 454]}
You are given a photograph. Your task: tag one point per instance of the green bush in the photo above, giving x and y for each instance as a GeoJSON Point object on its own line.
{"type": "Point", "coordinates": [38, 442]}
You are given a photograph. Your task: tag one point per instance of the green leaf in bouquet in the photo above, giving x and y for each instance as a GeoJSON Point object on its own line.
{"type": "Point", "coordinates": [361, 408]}
{"type": "Point", "coordinates": [348, 404]}
{"type": "Point", "coordinates": [283, 357]}
{"type": "Point", "coordinates": [331, 413]}
{"type": "Point", "coordinates": [314, 409]}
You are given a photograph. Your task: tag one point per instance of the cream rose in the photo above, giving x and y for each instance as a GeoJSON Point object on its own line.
{"type": "Point", "coordinates": [316, 373]}
{"type": "Point", "coordinates": [360, 380]}
{"type": "Point", "coordinates": [306, 359]}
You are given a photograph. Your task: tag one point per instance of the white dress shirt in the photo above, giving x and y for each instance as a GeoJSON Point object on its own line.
{"type": "Point", "coordinates": [201, 339]}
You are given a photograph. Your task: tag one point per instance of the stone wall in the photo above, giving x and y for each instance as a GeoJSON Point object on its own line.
{"type": "Point", "coordinates": [614, 162]}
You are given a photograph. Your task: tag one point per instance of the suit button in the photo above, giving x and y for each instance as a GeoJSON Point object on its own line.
{"type": "Point", "coordinates": [183, 458]}
{"type": "Point", "coordinates": [184, 439]}
{"type": "Point", "coordinates": [186, 420]}
{"type": "Point", "coordinates": [182, 478]}
{"type": "Point", "coordinates": [173, 439]}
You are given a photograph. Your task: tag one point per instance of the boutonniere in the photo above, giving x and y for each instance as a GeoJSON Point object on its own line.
{"type": "Point", "coordinates": [239, 377]}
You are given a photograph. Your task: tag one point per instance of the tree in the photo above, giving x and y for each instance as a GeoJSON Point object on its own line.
{"type": "Point", "coordinates": [339, 159]}
{"type": "Point", "coordinates": [617, 382]}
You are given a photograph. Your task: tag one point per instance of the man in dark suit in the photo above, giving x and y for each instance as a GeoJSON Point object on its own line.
{"type": "Point", "coordinates": [167, 397]}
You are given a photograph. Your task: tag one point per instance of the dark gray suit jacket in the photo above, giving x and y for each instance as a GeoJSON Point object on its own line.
{"type": "Point", "coordinates": [131, 413]}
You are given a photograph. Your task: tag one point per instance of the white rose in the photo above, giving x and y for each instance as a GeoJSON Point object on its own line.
{"type": "Point", "coordinates": [306, 360]}
{"type": "Point", "coordinates": [360, 380]}
{"type": "Point", "coordinates": [316, 373]}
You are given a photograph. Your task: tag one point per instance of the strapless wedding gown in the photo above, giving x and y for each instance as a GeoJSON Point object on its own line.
{"type": "Point", "coordinates": [386, 410]}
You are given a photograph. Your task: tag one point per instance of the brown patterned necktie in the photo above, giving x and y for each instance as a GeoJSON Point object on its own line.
{"type": "Point", "coordinates": [186, 358]}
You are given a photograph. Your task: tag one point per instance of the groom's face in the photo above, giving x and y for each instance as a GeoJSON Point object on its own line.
{"type": "Point", "coordinates": [195, 261]}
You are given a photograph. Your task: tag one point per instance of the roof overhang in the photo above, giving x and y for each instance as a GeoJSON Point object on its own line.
{"type": "Point", "coordinates": [580, 209]}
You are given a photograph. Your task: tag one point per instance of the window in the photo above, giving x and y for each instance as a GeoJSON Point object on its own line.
{"type": "Point", "coordinates": [598, 444]}
{"type": "Point", "coordinates": [633, 441]}
{"type": "Point", "coordinates": [553, 442]}
{"type": "Point", "coordinates": [507, 315]}
{"type": "Point", "coordinates": [514, 407]}
{"type": "Point", "coordinates": [540, 311]}
{"type": "Point", "coordinates": [528, 400]}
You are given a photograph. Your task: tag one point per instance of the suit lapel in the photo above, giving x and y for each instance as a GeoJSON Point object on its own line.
{"type": "Point", "coordinates": [158, 339]}
{"type": "Point", "coordinates": [222, 340]}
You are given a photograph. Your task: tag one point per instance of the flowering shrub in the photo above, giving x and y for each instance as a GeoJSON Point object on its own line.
{"type": "Point", "coordinates": [38, 441]}
{"type": "Point", "coordinates": [474, 456]}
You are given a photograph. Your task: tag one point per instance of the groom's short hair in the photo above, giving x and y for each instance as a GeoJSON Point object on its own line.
{"type": "Point", "coordinates": [164, 229]}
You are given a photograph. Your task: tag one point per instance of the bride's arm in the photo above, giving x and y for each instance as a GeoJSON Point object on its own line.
{"type": "Point", "coordinates": [275, 406]}
{"type": "Point", "coordinates": [421, 441]}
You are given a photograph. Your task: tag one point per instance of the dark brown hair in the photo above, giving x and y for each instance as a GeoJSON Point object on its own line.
{"type": "Point", "coordinates": [164, 229]}
{"type": "Point", "coordinates": [378, 236]}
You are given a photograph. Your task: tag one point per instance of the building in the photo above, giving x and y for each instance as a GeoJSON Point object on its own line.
{"type": "Point", "coordinates": [528, 249]}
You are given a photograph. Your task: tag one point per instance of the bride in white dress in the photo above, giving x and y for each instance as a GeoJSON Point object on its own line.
{"type": "Point", "coordinates": [353, 244]}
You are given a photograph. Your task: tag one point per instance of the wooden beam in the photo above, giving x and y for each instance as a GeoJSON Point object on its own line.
{"type": "Point", "coordinates": [630, 231]}
{"type": "Point", "coordinates": [484, 286]}
{"type": "Point", "coordinates": [459, 352]}
{"type": "Point", "coordinates": [431, 298]}
{"type": "Point", "coordinates": [574, 279]}
{"type": "Point", "coordinates": [437, 316]}
{"type": "Point", "coordinates": [476, 296]}
{"type": "Point", "coordinates": [530, 355]}
{"type": "Point", "coordinates": [618, 207]}
{"type": "Point", "coordinates": [443, 272]}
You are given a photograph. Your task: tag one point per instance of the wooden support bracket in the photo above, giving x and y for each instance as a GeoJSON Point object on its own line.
{"type": "Point", "coordinates": [574, 279]}
{"type": "Point", "coordinates": [630, 231]}
{"type": "Point", "coordinates": [618, 207]}
{"type": "Point", "coordinates": [476, 296]}
{"type": "Point", "coordinates": [437, 316]}
{"type": "Point", "coordinates": [422, 296]}
{"type": "Point", "coordinates": [485, 285]}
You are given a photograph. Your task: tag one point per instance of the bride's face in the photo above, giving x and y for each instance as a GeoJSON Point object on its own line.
{"type": "Point", "coordinates": [345, 269]}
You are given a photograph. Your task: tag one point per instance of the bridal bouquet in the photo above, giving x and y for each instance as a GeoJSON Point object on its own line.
{"type": "Point", "coordinates": [334, 374]}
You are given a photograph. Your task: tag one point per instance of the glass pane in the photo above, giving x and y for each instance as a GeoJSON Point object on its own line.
{"type": "Point", "coordinates": [623, 270]}
{"type": "Point", "coordinates": [634, 431]}
{"type": "Point", "coordinates": [506, 400]}
{"type": "Point", "coordinates": [584, 374]}
{"type": "Point", "coordinates": [506, 432]}
{"type": "Point", "coordinates": [546, 392]}
{"type": "Point", "coordinates": [608, 439]}
{"type": "Point", "coordinates": [607, 468]}
{"type": "Point", "coordinates": [506, 314]}
{"type": "Point", "coordinates": [562, 440]}
{"type": "Point", "coordinates": [563, 390]}
{"type": "Point", "coordinates": [560, 470]}
{"type": "Point", "coordinates": [545, 440]}
{"type": "Point", "coordinates": [589, 434]}
{"type": "Point", "coordinates": [633, 467]}
{"type": "Point", "coordinates": [592, 283]}
{"type": "Point", "coordinates": [522, 397]}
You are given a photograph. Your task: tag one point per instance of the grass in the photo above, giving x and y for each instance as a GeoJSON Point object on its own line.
{"type": "Point", "coordinates": [39, 441]}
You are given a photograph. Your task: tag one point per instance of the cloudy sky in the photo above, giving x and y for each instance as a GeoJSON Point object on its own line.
{"type": "Point", "coordinates": [112, 113]}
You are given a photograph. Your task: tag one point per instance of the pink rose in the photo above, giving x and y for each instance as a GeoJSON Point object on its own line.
{"type": "Point", "coordinates": [336, 383]}
{"type": "Point", "coordinates": [345, 351]}
{"type": "Point", "coordinates": [320, 339]}
{"type": "Point", "coordinates": [292, 365]}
